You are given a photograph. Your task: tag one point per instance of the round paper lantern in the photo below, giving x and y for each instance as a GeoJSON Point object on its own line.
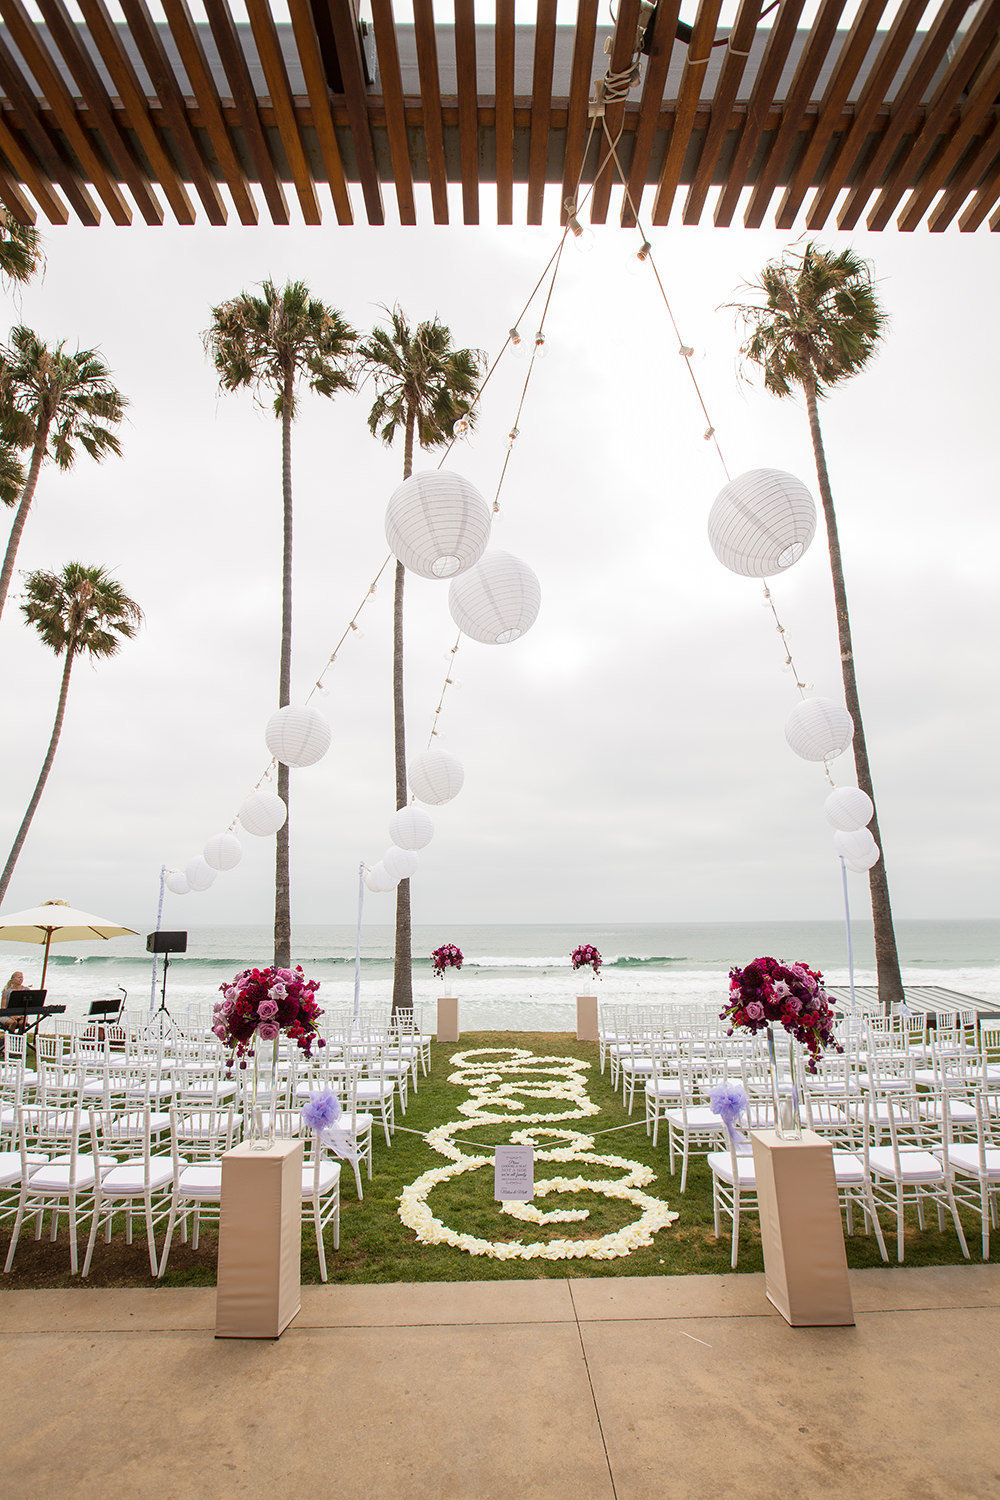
{"type": "Point", "coordinates": [379, 880]}
{"type": "Point", "coordinates": [435, 776]}
{"type": "Point", "coordinates": [849, 808]}
{"type": "Point", "coordinates": [496, 601]}
{"type": "Point", "coordinates": [262, 814]}
{"type": "Point", "coordinates": [437, 524]}
{"type": "Point", "coordinates": [761, 523]}
{"type": "Point", "coordinates": [199, 874]}
{"type": "Point", "coordinates": [297, 736]}
{"type": "Point", "coordinates": [411, 828]}
{"type": "Point", "coordinates": [400, 863]}
{"type": "Point", "coordinates": [856, 846]}
{"type": "Point", "coordinates": [860, 866]}
{"type": "Point", "coordinates": [177, 882]}
{"type": "Point", "coordinates": [223, 851]}
{"type": "Point", "coordinates": [819, 729]}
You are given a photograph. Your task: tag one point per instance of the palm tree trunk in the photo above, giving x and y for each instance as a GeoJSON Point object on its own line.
{"type": "Point", "coordinates": [24, 505]}
{"type": "Point", "coordinates": [36, 795]}
{"type": "Point", "coordinates": [890, 983]}
{"type": "Point", "coordinates": [282, 895]}
{"type": "Point", "coordinates": [402, 974]}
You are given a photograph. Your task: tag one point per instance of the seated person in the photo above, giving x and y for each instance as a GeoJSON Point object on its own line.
{"type": "Point", "coordinates": [15, 982]}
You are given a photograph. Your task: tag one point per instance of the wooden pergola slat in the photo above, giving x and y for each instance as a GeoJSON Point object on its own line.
{"type": "Point", "coordinates": [307, 46]}
{"type": "Point", "coordinates": [468, 107]}
{"type": "Point", "coordinates": [650, 104]}
{"type": "Point", "coordinates": [614, 115]}
{"type": "Point", "coordinates": [235, 64]}
{"type": "Point", "coordinates": [740, 41]}
{"type": "Point", "coordinates": [697, 61]}
{"type": "Point", "coordinates": [265, 37]}
{"type": "Point", "coordinates": [10, 191]}
{"type": "Point", "coordinates": [541, 105]}
{"type": "Point", "coordinates": [987, 195]}
{"type": "Point", "coordinates": [27, 116]}
{"type": "Point", "coordinates": [348, 44]}
{"type": "Point", "coordinates": [975, 114]}
{"type": "Point", "coordinates": [35, 179]}
{"type": "Point", "coordinates": [577, 113]}
{"type": "Point", "coordinates": [395, 109]}
{"type": "Point", "coordinates": [504, 129]}
{"type": "Point", "coordinates": [966, 181]}
{"type": "Point", "coordinates": [430, 93]}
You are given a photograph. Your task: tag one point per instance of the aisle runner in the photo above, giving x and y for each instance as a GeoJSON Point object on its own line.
{"type": "Point", "coordinates": [502, 1081]}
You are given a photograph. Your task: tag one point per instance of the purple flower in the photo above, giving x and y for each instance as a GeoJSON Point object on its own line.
{"type": "Point", "coordinates": [219, 1031]}
{"type": "Point", "coordinates": [781, 990]}
{"type": "Point", "coordinates": [268, 1032]}
{"type": "Point", "coordinates": [231, 992]}
{"type": "Point", "coordinates": [277, 992]}
{"type": "Point", "coordinates": [322, 1110]}
{"type": "Point", "coordinates": [267, 1010]}
{"type": "Point", "coordinates": [755, 1011]}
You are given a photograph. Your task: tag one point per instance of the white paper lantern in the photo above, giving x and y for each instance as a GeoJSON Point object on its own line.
{"type": "Point", "coordinates": [262, 814]}
{"type": "Point", "coordinates": [761, 523]}
{"type": "Point", "coordinates": [177, 882]}
{"type": "Point", "coordinates": [849, 808]}
{"type": "Point", "coordinates": [856, 845]}
{"type": "Point", "coordinates": [199, 875]}
{"type": "Point", "coordinates": [297, 736]}
{"type": "Point", "coordinates": [411, 828]}
{"type": "Point", "coordinates": [437, 524]}
{"type": "Point", "coordinates": [819, 729]}
{"type": "Point", "coordinates": [860, 866]}
{"type": "Point", "coordinates": [435, 776]}
{"type": "Point", "coordinates": [379, 880]}
{"type": "Point", "coordinates": [496, 601]}
{"type": "Point", "coordinates": [223, 851]}
{"type": "Point", "coordinates": [400, 863]}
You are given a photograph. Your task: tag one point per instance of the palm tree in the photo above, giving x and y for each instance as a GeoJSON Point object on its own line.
{"type": "Point", "coordinates": [78, 611]}
{"type": "Point", "coordinates": [20, 248]}
{"type": "Point", "coordinates": [423, 385]}
{"type": "Point", "coordinates": [271, 343]}
{"type": "Point", "coordinates": [818, 322]}
{"type": "Point", "coordinates": [51, 402]}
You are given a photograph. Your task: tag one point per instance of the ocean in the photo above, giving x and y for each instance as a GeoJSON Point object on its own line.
{"type": "Point", "coordinates": [518, 978]}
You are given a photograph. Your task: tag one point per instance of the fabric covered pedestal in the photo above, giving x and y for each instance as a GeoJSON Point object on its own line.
{"type": "Point", "coordinates": [447, 1018]}
{"type": "Point", "coordinates": [586, 1018]}
{"type": "Point", "coordinates": [805, 1264]}
{"type": "Point", "coordinates": [260, 1241]}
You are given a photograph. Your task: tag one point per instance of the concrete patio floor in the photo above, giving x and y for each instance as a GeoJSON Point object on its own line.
{"type": "Point", "coordinates": [605, 1389]}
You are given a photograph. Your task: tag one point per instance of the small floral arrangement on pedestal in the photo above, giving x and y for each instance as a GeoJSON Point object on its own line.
{"type": "Point", "coordinates": [767, 993]}
{"type": "Point", "coordinates": [448, 956]}
{"type": "Point", "coordinates": [587, 956]}
{"type": "Point", "coordinates": [260, 1004]}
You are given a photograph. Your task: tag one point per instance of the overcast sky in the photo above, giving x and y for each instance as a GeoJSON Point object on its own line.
{"type": "Point", "coordinates": [625, 761]}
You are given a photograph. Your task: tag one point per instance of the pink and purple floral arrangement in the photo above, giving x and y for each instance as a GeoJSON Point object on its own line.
{"type": "Point", "coordinates": [260, 1004]}
{"type": "Point", "coordinates": [767, 992]}
{"type": "Point", "coordinates": [586, 955]}
{"type": "Point", "coordinates": [448, 956]}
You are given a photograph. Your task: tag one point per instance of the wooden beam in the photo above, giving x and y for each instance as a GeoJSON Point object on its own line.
{"type": "Point", "coordinates": [65, 32]}
{"type": "Point", "coordinates": [196, 66]}
{"type": "Point", "coordinates": [831, 108]}
{"type": "Point", "coordinates": [268, 46]}
{"type": "Point", "coordinates": [977, 114]}
{"type": "Point", "coordinates": [541, 106]}
{"type": "Point", "coordinates": [348, 44]}
{"type": "Point", "coordinates": [11, 194]}
{"type": "Point", "coordinates": [395, 111]}
{"type": "Point", "coordinates": [468, 107]}
{"type": "Point", "coordinates": [24, 35]}
{"type": "Point", "coordinates": [150, 47]}
{"type": "Point", "coordinates": [307, 43]}
{"type": "Point", "coordinates": [910, 172]}
{"type": "Point", "coordinates": [966, 181]}
{"type": "Point", "coordinates": [989, 192]}
{"type": "Point", "coordinates": [772, 64]}
{"type": "Point", "coordinates": [34, 177]}
{"type": "Point", "coordinates": [622, 55]}
{"type": "Point", "coordinates": [577, 114]}
{"type": "Point", "coordinates": [813, 57]}
{"type": "Point", "coordinates": [504, 127]}
{"type": "Point", "coordinates": [913, 90]}
{"type": "Point", "coordinates": [650, 103]}
{"type": "Point", "coordinates": [107, 39]}
{"type": "Point", "coordinates": [866, 112]}
{"type": "Point", "coordinates": [47, 150]}
{"type": "Point", "coordinates": [741, 40]}
{"type": "Point", "coordinates": [688, 98]}
{"type": "Point", "coordinates": [430, 93]}
{"type": "Point", "coordinates": [230, 51]}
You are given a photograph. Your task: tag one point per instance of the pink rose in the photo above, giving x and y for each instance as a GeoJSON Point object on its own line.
{"type": "Point", "coordinates": [268, 1032]}
{"type": "Point", "coordinates": [267, 1009]}
{"type": "Point", "coordinates": [277, 992]}
{"type": "Point", "coordinates": [755, 1011]}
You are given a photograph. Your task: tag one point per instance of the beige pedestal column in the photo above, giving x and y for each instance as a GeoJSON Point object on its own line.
{"type": "Point", "coordinates": [805, 1264]}
{"type": "Point", "coordinates": [447, 1018]}
{"type": "Point", "coordinates": [260, 1241]}
{"type": "Point", "coordinates": [586, 1018]}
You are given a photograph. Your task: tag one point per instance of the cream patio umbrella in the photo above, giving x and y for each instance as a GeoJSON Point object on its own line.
{"type": "Point", "coordinates": [56, 922]}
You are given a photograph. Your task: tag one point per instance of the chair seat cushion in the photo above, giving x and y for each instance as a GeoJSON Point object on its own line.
{"type": "Point", "coordinates": [699, 1117]}
{"type": "Point", "coordinates": [55, 1177]}
{"type": "Point", "coordinates": [202, 1181]}
{"type": "Point", "coordinates": [10, 1166]}
{"type": "Point", "coordinates": [915, 1165]}
{"type": "Point", "coordinates": [848, 1168]}
{"type": "Point", "coordinates": [357, 1124]}
{"type": "Point", "coordinates": [720, 1164]}
{"type": "Point", "coordinates": [960, 1111]}
{"type": "Point", "coordinates": [129, 1181]}
{"type": "Point", "coordinates": [329, 1174]}
{"type": "Point", "coordinates": [966, 1159]}
{"type": "Point", "coordinates": [664, 1088]}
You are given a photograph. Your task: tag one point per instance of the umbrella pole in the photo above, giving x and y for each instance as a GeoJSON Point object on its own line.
{"type": "Point", "coordinates": [45, 961]}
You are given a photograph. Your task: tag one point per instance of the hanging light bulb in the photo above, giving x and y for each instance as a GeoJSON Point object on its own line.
{"type": "Point", "coordinates": [461, 427]}
{"type": "Point", "coordinates": [539, 350]}
{"type": "Point", "coordinates": [637, 263]}
{"type": "Point", "coordinates": [517, 342]}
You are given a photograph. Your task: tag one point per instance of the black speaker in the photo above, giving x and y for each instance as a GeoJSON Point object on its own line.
{"type": "Point", "coordinates": [167, 942]}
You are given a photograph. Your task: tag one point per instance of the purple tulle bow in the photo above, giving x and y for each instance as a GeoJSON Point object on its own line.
{"type": "Point", "coordinates": [322, 1111]}
{"type": "Point", "coordinates": [729, 1101]}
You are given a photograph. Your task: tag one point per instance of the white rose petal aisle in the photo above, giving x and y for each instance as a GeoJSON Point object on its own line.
{"type": "Point", "coordinates": [502, 1082]}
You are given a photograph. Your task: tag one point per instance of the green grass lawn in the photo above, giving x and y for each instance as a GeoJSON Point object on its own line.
{"type": "Point", "coordinates": [376, 1247]}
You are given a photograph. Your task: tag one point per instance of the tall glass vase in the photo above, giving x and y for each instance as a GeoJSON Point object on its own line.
{"type": "Point", "coordinates": [258, 1138]}
{"type": "Point", "coordinates": [787, 1112]}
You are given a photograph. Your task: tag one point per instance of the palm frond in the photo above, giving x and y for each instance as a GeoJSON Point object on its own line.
{"type": "Point", "coordinates": [417, 369]}
{"type": "Point", "coordinates": [82, 609]}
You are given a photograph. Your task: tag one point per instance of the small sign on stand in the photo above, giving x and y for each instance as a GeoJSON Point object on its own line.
{"type": "Point", "coordinates": [514, 1174]}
